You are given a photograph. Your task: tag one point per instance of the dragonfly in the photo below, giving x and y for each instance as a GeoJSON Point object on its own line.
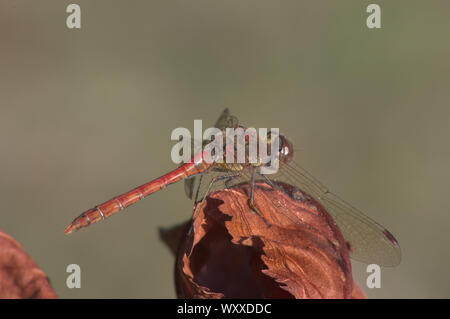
{"type": "Point", "coordinates": [369, 241]}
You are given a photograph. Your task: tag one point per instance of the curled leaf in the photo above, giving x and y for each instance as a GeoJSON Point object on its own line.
{"type": "Point", "coordinates": [289, 248]}
{"type": "Point", "coordinates": [20, 277]}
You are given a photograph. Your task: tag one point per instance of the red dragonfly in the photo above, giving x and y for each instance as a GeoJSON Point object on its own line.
{"type": "Point", "coordinates": [369, 242]}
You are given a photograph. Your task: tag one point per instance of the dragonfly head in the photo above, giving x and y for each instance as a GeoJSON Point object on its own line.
{"type": "Point", "coordinates": [286, 150]}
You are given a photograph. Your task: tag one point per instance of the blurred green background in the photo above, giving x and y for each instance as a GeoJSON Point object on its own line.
{"type": "Point", "coordinates": [87, 114]}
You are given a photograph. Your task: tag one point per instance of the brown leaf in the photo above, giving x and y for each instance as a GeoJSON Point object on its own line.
{"type": "Point", "coordinates": [20, 277]}
{"type": "Point", "coordinates": [292, 250]}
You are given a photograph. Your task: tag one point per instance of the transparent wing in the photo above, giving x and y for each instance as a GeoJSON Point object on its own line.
{"type": "Point", "coordinates": [225, 120]}
{"type": "Point", "coordinates": [369, 242]}
{"type": "Point", "coordinates": [189, 184]}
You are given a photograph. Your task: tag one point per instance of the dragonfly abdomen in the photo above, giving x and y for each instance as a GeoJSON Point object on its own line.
{"type": "Point", "coordinates": [116, 204]}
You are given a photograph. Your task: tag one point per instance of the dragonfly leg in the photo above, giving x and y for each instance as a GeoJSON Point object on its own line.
{"type": "Point", "coordinates": [251, 200]}
{"type": "Point", "coordinates": [252, 186]}
{"type": "Point", "coordinates": [198, 188]}
{"type": "Point", "coordinates": [270, 182]}
{"type": "Point", "coordinates": [228, 180]}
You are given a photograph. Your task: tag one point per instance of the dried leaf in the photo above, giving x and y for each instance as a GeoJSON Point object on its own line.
{"type": "Point", "coordinates": [20, 277]}
{"type": "Point", "coordinates": [290, 249]}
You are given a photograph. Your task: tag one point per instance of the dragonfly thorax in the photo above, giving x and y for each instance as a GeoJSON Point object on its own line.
{"type": "Point", "coordinates": [243, 155]}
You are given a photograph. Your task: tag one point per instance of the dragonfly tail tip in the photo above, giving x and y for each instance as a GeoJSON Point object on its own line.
{"type": "Point", "coordinates": [69, 229]}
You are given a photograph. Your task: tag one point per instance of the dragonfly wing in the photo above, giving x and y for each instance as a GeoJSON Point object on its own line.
{"type": "Point", "coordinates": [368, 241]}
{"type": "Point", "coordinates": [189, 187]}
{"type": "Point", "coordinates": [225, 120]}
